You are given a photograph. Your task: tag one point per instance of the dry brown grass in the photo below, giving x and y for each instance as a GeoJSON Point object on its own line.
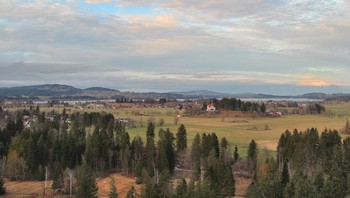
{"type": "Point", "coordinates": [25, 189]}
{"type": "Point", "coordinates": [241, 186]}
{"type": "Point", "coordinates": [35, 189]}
{"type": "Point", "coordinates": [123, 184]}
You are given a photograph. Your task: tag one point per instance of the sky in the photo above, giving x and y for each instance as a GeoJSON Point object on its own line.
{"type": "Point", "coordinates": [232, 46]}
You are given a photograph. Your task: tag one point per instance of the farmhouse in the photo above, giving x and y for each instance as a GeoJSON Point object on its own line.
{"type": "Point", "coordinates": [211, 107]}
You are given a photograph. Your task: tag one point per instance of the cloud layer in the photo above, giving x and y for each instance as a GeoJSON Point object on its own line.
{"type": "Point", "coordinates": [233, 46]}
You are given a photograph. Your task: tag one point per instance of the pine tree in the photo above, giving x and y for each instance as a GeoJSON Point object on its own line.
{"type": "Point", "coordinates": [112, 189]}
{"type": "Point", "coordinates": [137, 152]}
{"type": "Point", "coordinates": [161, 122]}
{"type": "Point", "coordinates": [224, 150]}
{"type": "Point", "coordinates": [336, 185]}
{"type": "Point", "coordinates": [164, 186]}
{"type": "Point", "coordinates": [263, 108]}
{"type": "Point", "coordinates": [181, 189]}
{"type": "Point", "coordinates": [235, 154]}
{"type": "Point", "coordinates": [37, 110]}
{"type": "Point", "coordinates": [285, 174]}
{"type": "Point", "coordinates": [196, 157]}
{"type": "Point", "coordinates": [57, 177]}
{"type": "Point", "coordinates": [346, 153]}
{"type": "Point", "coordinates": [191, 190]}
{"type": "Point", "coordinates": [150, 187]}
{"type": "Point", "coordinates": [181, 139]}
{"type": "Point", "coordinates": [319, 183]}
{"type": "Point", "coordinates": [270, 184]}
{"type": "Point", "coordinates": [166, 159]}
{"type": "Point", "coordinates": [2, 188]}
{"type": "Point", "coordinates": [252, 156]}
{"type": "Point", "coordinates": [150, 156]}
{"type": "Point", "coordinates": [86, 186]}
{"type": "Point", "coordinates": [203, 189]}
{"type": "Point", "coordinates": [347, 127]}
{"type": "Point", "coordinates": [150, 130]}
{"type": "Point", "coordinates": [304, 186]}
{"type": "Point", "coordinates": [219, 176]}
{"type": "Point", "coordinates": [131, 193]}
{"type": "Point", "coordinates": [215, 143]}
{"type": "Point", "coordinates": [289, 190]}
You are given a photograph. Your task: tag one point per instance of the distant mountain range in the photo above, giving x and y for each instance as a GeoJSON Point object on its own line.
{"type": "Point", "coordinates": [57, 91]}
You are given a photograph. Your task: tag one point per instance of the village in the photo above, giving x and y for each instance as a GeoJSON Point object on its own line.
{"type": "Point", "coordinates": [186, 107]}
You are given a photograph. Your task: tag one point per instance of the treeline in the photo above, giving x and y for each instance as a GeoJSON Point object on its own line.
{"type": "Point", "coordinates": [210, 164]}
{"type": "Point", "coordinates": [308, 164]}
{"type": "Point", "coordinates": [234, 104]}
{"type": "Point", "coordinates": [338, 98]}
{"type": "Point", "coordinates": [315, 108]}
{"type": "Point", "coordinates": [53, 148]}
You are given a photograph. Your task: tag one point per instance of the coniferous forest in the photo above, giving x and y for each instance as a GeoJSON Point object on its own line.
{"type": "Point", "coordinates": [308, 164]}
{"type": "Point", "coordinates": [91, 144]}
{"type": "Point", "coordinates": [72, 150]}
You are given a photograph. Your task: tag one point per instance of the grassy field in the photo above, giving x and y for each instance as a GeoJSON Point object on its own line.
{"type": "Point", "coordinates": [238, 128]}
{"type": "Point", "coordinates": [240, 134]}
{"type": "Point", "coordinates": [338, 109]}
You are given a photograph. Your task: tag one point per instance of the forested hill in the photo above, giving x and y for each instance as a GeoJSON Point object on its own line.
{"type": "Point", "coordinates": [58, 91]}
{"type": "Point", "coordinates": [66, 91]}
{"type": "Point", "coordinates": [40, 90]}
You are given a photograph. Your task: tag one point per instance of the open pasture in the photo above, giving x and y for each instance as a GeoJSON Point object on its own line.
{"type": "Point", "coordinates": [239, 128]}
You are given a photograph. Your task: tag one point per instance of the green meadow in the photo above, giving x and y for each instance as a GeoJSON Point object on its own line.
{"type": "Point", "coordinates": [238, 130]}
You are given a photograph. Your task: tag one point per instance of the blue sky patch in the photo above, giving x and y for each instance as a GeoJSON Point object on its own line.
{"type": "Point", "coordinates": [106, 8]}
{"type": "Point", "coordinates": [109, 8]}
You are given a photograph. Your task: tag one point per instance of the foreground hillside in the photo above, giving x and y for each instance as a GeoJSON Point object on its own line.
{"type": "Point", "coordinates": [123, 184]}
{"type": "Point", "coordinates": [36, 188]}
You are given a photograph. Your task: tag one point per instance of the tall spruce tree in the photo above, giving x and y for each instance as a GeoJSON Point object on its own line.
{"type": "Point", "coordinates": [181, 139]}
{"type": "Point", "coordinates": [196, 157]}
{"type": "Point", "coordinates": [252, 156]}
{"type": "Point", "coordinates": [215, 143]}
{"type": "Point", "coordinates": [137, 153]}
{"type": "Point", "coordinates": [303, 186]}
{"type": "Point", "coordinates": [346, 153]}
{"type": "Point", "coordinates": [224, 150]}
{"type": "Point", "coordinates": [235, 154]}
{"type": "Point", "coordinates": [336, 185]}
{"type": "Point", "coordinates": [346, 128]}
{"type": "Point", "coordinates": [2, 188]}
{"type": "Point", "coordinates": [285, 175]}
{"type": "Point", "coordinates": [150, 130]}
{"type": "Point", "coordinates": [191, 190]}
{"type": "Point", "coordinates": [149, 188]}
{"type": "Point", "coordinates": [86, 186]}
{"type": "Point", "coordinates": [57, 176]}
{"type": "Point", "coordinates": [219, 176]}
{"type": "Point", "coordinates": [166, 158]}
{"type": "Point", "coordinates": [319, 183]}
{"type": "Point", "coordinates": [112, 189]}
{"type": "Point", "coordinates": [150, 156]}
{"type": "Point", "coordinates": [181, 189]}
{"type": "Point", "coordinates": [131, 193]}
{"type": "Point", "coordinates": [164, 185]}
